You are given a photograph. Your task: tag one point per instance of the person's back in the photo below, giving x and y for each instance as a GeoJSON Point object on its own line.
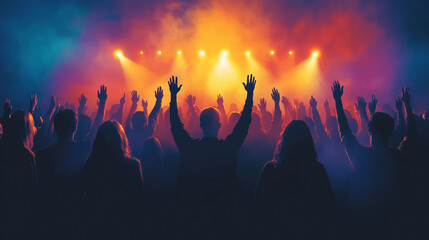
{"type": "Point", "coordinates": [18, 178]}
{"type": "Point", "coordinates": [59, 168]}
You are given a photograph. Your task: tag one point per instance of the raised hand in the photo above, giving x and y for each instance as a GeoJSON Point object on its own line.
{"type": "Point", "coordinates": [285, 101]}
{"type": "Point", "coordinates": [122, 100]}
{"type": "Point", "coordinates": [102, 94]}
{"type": "Point", "coordinates": [190, 100]}
{"type": "Point", "coordinates": [134, 97]}
{"type": "Point", "coordinates": [250, 85]}
{"type": "Point", "coordinates": [313, 102]}
{"type": "Point", "coordinates": [159, 94]}
{"type": "Point", "coordinates": [405, 95]}
{"type": "Point", "coordinates": [172, 84]}
{"type": "Point", "coordinates": [262, 104]}
{"type": "Point", "coordinates": [337, 90]}
{"type": "Point", "coordinates": [82, 100]}
{"type": "Point", "coordinates": [275, 95]}
{"type": "Point", "coordinates": [219, 100]}
{"type": "Point", "coordinates": [144, 104]}
{"type": "Point", "coordinates": [360, 104]}
{"type": "Point", "coordinates": [7, 107]}
{"type": "Point", "coordinates": [326, 104]}
{"type": "Point", "coordinates": [53, 101]}
{"type": "Point", "coordinates": [398, 104]}
{"type": "Point", "coordinates": [373, 104]}
{"type": "Point", "coordinates": [33, 102]}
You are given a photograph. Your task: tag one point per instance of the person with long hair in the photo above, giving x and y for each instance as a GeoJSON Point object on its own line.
{"type": "Point", "coordinates": [113, 186]}
{"type": "Point", "coordinates": [18, 178]}
{"type": "Point", "coordinates": [294, 193]}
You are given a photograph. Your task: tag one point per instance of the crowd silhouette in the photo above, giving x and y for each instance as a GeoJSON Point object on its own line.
{"type": "Point", "coordinates": [215, 174]}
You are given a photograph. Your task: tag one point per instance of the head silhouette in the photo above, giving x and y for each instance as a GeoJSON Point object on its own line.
{"type": "Point", "coordinates": [255, 124]}
{"type": "Point", "coordinates": [65, 123]}
{"type": "Point", "coordinates": [296, 146]}
{"type": "Point", "coordinates": [83, 127]}
{"type": "Point", "coordinates": [210, 121]}
{"type": "Point", "coordinates": [152, 153]}
{"type": "Point", "coordinates": [233, 118]}
{"type": "Point", "coordinates": [310, 124]}
{"type": "Point", "coordinates": [139, 120]}
{"type": "Point", "coordinates": [110, 144]}
{"type": "Point", "coordinates": [380, 127]}
{"type": "Point", "coordinates": [20, 129]}
{"type": "Point", "coordinates": [353, 124]}
{"type": "Point", "coordinates": [332, 127]}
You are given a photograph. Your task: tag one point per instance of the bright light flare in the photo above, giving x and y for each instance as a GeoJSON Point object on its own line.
{"type": "Point", "coordinates": [118, 53]}
{"type": "Point", "coordinates": [179, 52]}
{"type": "Point", "coordinates": [224, 52]}
{"type": "Point", "coordinates": [290, 52]}
{"type": "Point", "coordinates": [315, 53]}
{"type": "Point", "coordinates": [141, 52]}
{"type": "Point", "coordinates": [159, 52]}
{"type": "Point", "coordinates": [248, 53]}
{"type": "Point", "coordinates": [272, 52]}
{"type": "Point", "coordinates": [202, 53]}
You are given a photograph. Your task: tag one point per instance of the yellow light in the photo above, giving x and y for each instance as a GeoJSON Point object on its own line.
{"type": "Point", "coordinates": [141, 52]}
{"type": "Point", "coordinates": [118, 53]}
{"type": "Point", "coordinates": [202, 53]}
{"type": "Point", "coordinates": [315, 53]}
{"type": "Point", "coordinates": [290, 52]}
{"type": "Point", "coordinates": [224, 52]}
{"type": "Point", "coordinates": [179, 52]}
{"type": "Point", "coordinates": [248, 53]}
{"type": "Point", "coordinates": [272, 52]}
{"type": "Point", "coordinates": [159, 52]}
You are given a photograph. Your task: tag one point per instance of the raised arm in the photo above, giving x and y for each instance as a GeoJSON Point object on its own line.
{"type": "Point", "coordinates": [337, 92]}
{"type": "Point", "coordinates": [145, 105]}
{"type": "Point", "coordinates": [289, 114]}
{"type": "Point", "coordinates": [180, 135]}
{"type": "Point", "coordinates": [191, 114]}
{"type": "Point", "coordinates": [48, 116]}
{"type": "Point", "coordinates": [276, 126]}
{"type": "Point", "coordinates": [327, 110]}
{"type": "Point", "coordinates": [320, 129]}
{"type": "Point", "coordinates": [151, 123]}
{"type": "Point", "coordinates": [99, 118]}
{"type": "Point", "coordinates": [221, 108]}
{"type": "Point", "coordinates": [120, 112]}
{"type": "Point", "coordinates": [134, 100]}
{"type": "Point", "coordinates": [411, 134]}
{"type": "Point", "coordinates": [399, 108]}
{"type": "Point", "coordinates": [82, 101]}
{"type": "Point", "coordinates": [361, 108]}
{"type": "Point", "coordinates": [372, 106]}
{"type": "Point", "coordinates": [236, 138]}
{"type": "Point", "coordinates": [33, 103]}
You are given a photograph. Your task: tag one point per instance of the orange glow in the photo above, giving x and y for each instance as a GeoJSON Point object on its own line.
{"type": "Point", "coordinates": [248, 53]}
{"type": "Point", "coordinates": [315, 53]}
{"type": "Point", "coordinates": [141, 52]}
{"type": "Point", "coordinates": [290, 52]}
{"type": "Point", "coordinates": [272, 52]}
{"type": "Point", "coordinates": [119, 53]}
{"type": "Point", "coordinates": [179, 52]}
{"type": "Point", "coordinates": [202, 53]}
{"type": "Point", "coordinates": [159, 52]}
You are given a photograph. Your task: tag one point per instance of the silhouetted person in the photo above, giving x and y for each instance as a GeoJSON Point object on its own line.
{"type": "Point", "coordinates": [59, 168]}
{"type": "Point", "coordinates": [138, 127]}
{"type": "Point", "coordinates": [18, 178]}
{"type": "Point", "coordinates": [294, 196]}
{"type": "Point", "coordinates": [207, 177]}
{"type": "Point", "coordinates": [377, 170]}
{"type": "Point", "coordinates": [113, 187]}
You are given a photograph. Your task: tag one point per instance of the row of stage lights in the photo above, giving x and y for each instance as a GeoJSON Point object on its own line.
{"type": "Point", "coordinates": [202, 53]}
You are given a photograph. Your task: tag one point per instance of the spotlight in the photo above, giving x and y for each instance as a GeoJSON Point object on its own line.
{"type": "Point", "coordinates": [141, 52]}
{"type": "Point", "coordinates": [202, 53]}
{"type": "Point", "coordinates": [159, 52]}
{"type": "Point", "coordinates": [224, 52]}
{"type": "Point", "coordinates": [248, 53]}
{"type": "Point", "coordinates": [179, 52]}
{"type": "Point", "coordinates": [315, 53]}
{"type": "Point", "coordinates": [272, 52]}
{"type": "Point", "coordinates": [290, 52]}
{"type": "Point", "coordinates": [118, 53]}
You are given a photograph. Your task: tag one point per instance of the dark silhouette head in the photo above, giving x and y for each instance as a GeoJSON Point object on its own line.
{"type": "Point", "coordinates": [332, 127]}
{"type": "Point", "coordinates": [139, 120]}
{"type": "Point", "coordinates": [210, 121]}
{"type": "Point", "coordinates": [296, 146]}
{"type": "Point", "coordinates": [380, 128]}
{"type": "Point", "coordinates": [65, 123]}
{"type": "Point", "coordinates": [152, 153]}
{"type": "Point", "coordinates": [20, 129]}
{"type": "Point", "coordinates": [233, 118]}
{"type": "Point", "coordinates": [310, 124]}
{"type": "Point", "coordinates": [83, 127]}
{"type": "Point", "coordinates": [110, 144]}
{"type": "Point", "coordinates": [233, 107]}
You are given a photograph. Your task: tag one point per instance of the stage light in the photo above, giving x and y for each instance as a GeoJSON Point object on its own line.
{"type": "Point", "coordinates": [315, 53]}
{"type": "Point", "coordinates": [141, 52]}
{"type": "Point", "coordinates": [118, 53]}
{"type": "Point", "coordinates": [272, 52]}
{"type": "Point", "coordinates": [179, 52]}
{"type": "Point", "coordinates": [202, 53]}
{"type": "Point", "coordinates": [159, 52]}
{"type": "Point", "coordinates": [248, 53]}
{"type": "Point", "coordinates": [224, 52]}
{"type": "Point", "coordinates": [290, 52]}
